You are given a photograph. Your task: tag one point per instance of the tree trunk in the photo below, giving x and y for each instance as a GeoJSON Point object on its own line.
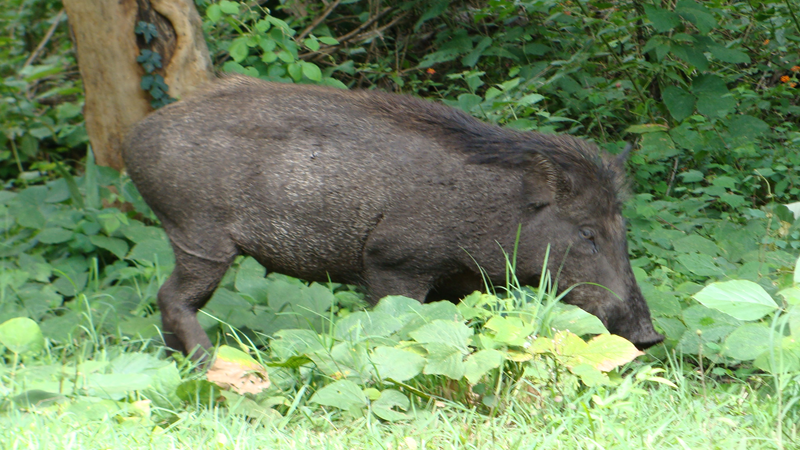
{"type": "Point", "coordinates": [107, 48]}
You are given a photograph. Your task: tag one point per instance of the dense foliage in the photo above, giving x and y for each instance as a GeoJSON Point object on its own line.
{"type": "Point", "coordinates": [708, 91]}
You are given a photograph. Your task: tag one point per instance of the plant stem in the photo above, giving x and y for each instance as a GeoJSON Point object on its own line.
{"type": "Point", "coordinates": [794, 16]}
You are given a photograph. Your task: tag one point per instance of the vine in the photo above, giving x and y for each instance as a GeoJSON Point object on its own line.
{"type": "Point", "coordinates": [150, 61]}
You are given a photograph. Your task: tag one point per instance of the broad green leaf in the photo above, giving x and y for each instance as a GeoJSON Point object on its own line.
{"type": "Point", "coordinates": [28, 216]}
{"type": "Point", "coordinates": [312, 44]}
{"type": "Point", "coordinates": [702, 265]}
{"type": "Point", "coordinates": [443, 310]}
{"type": "Point", "coordinates": [797, 273]}
{"type": "Point", "coordinates": [201, 392]}
{"type": "Point", "coordinates": [36, 398]}
{"type": "Point", "coordinates": [679, 102]}
{"type": "Point", "coordinates": [116, 386]}
{"type": "Point", "coordinates": [662, 19]}
{"type": "Point", "coordinates": [151, 252]}
{"type": "Point", "coordinates": [363, 325]}
{"type": "Point", "coordinates": [238, 49]}
{"type": "Point", "coordinates": [297, 342]}
{"type": "Point", "coordinates": [646, 128]}
{"type": "Point", "coordinates": [450, 333]}
{"type": "Point", "coordinates": [444, 360]}
{"type": "Point", "coordinates": [293, 362]}
{"type": "Point", "coordinates": [714, 325]}
{"type": "Point", "coordinates": [794, 320]}
{"type": "Point", "coordinates": [116, 246]}
{"type": "Point", "coordinates": [144, 327]}
{"type": "Point", "coordinates": [673, 329]}
{"type": "Point", "coordinates": [509, 330]}
{"type": "Point", "coordinates": [687, 137]}
{"type": "Point", "coordinates": [227, 306]}
{"type": "Point", "coordinates": [263, 26]}
{"type": "Point", "coordinates": [480, 363]}
{"type": "Point", "coordinates": [747, 128]}
{"type": "Point", "coordinates": [342, 394]}
{"type": "Point", "coordinates": [397, 364]}
{"type": "Point", "coordinates": [691, 54]}
{"type": "Point", "coordinates": [138, 232]}
{"type": "Point", "coordinates": [714, 105]}
{"type": "Point", "coordinates": [305, 305]}
{"type": "Point", "coordinates": [214, 13]}
{"type": "Point", "coordinates": [735, 200]}
{"type": "Point", "coordinates": [59, 190]}
{"type": "Point", "coordinates": [747, 342]}
{"type": "Point", "coordinates": [234, 355]}
{"type": "Point", "coordinates": [723, 181]}
{"type": "Point", "coordinates": [245, 407]}
{"type": "Point", "coordinates": [783, 358]}
{"type": "Point", "coordinates": [792, 296]}
{"type": "Point", "coordinates": [741, 299]}
{"type": "Point", "coordinates": [295, 71]}
{"type": "Point", "coordinates": [472, 58]}
{"type": "Point", "coordinates": [697, 14]}
{"type": "Point", "coordinates": [54, 235]}
{"type": "Point", "coordinates": [530, 99]}
{"type": "Point", "coordinates": [250, 280]}
{"type": "Point", "coordinates": [604, 352]}
{"type": "Point", "coordinates": [658, 145]}
{"type": "Point", "coordinates": [708, 84]}
{"type": "Point", "coordinates": [729, 55]}
{"type": "Point", "coordinates": [229, 7]}
{"type": "Point", "coordinates": [328, 40]}
{"type": "Point", "coordinates": [576, 320]}
{"type": "Point", "coordinates": [311, 71]}
{"type": "Point", "coordinates": [135, 362]}
{"type": "Point", "coordinates": [695, 243]}
{"type": "Point", "coordinates": [397, 305]}
{"type": "Point", "coordinates": [466, 102]}
{"type": "Point", "coordinates": [21, 335]}
{"type": "Point", "coordinates": [345, 360]}
{"type": "Point", "coordinates": [389, 399]}
{"type": "Point", "coordinates": [590, 376]}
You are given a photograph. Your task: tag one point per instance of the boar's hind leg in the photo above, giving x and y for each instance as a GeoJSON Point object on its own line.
{"type": "Point", "coordinates": [182, 295]}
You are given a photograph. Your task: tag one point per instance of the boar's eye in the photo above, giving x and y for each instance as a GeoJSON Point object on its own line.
{"type": "Point", "coordinates": [588, 235]}
{"type": "Point", "coordinates": [536, 206]}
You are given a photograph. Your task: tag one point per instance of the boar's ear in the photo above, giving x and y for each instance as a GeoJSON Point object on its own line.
{"type": "Point", "coordinates": [617, 166]}
{"type": "Point", "coordinates": [622, 158]}
{"type": "Point", "coordinates": [544, 180]}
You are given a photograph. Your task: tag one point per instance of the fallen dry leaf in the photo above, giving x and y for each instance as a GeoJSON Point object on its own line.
{"type": "Point", "coordinates": [237, 370]}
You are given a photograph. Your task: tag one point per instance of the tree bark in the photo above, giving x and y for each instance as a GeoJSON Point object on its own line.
{"type": "Point", "coordinates": [107, 49]}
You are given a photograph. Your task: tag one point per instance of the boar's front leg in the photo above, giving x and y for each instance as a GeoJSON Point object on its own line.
{"type": "Point", "coordinates": [394, 265]}
{"type": "Point", "coordinates": [182, 295]}
{"type": "Point", "coordinates": [394, 281]}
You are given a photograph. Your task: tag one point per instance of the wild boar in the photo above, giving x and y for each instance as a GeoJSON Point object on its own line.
{"type": "Point", "coordinates": [394, 193]}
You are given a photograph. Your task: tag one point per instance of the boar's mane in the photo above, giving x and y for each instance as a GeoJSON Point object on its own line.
{"type": "Point", "coordinates": [585, 164]}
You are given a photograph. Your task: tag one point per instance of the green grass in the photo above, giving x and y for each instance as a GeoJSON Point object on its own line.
{"type": "Point", "coordinates": [675, 409]}
{"type": "Point", "coordinates": [651, 416]}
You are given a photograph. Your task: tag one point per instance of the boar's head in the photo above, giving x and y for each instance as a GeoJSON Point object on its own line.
{"type": "Point", "coordinates": [572, 196]}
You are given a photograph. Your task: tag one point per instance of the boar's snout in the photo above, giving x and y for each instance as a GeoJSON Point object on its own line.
{"type": "Point", "coordinates": [638, 328]}
{"type": "Point", "coordinates": [647, 339]}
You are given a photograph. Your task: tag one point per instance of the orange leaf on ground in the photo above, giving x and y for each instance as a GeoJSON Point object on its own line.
{"type": "Point", "coordinates": [237, 370]}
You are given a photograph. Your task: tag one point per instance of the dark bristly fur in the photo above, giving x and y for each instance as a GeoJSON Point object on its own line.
{"type": "Point", "coordinates": [488, 144]}
{"type": "Point", "coordinates": [398, 194]}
